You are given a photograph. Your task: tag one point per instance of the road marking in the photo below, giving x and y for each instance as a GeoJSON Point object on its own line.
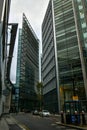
{"type": "Point", "coordinates": [20, 125]}
{"type": "Point", "coordinates": [23, 127]}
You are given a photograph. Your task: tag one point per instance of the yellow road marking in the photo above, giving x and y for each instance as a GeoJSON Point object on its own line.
{"type": "Point", "coordinates": [21, 125]}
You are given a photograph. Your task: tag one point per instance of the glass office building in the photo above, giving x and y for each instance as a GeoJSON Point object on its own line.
{"type": "Point", "coordinates": [64, 34]}
{"type": "Point", "coordinates": [15, 89]}
{"type": "Point", "coordinates": [28, 66]}
{"type": "Point", "coordinates": [48, 62]}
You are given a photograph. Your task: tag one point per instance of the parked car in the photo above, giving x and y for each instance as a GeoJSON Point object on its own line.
{"type": "Point", "coordinates": [44, 113]}
{"type": "Point", "coordinates": [35, 112]}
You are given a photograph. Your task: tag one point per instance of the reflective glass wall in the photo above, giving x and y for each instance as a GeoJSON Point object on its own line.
{"type": "Point", "coordinates": [29, 67]}
{"type": "Point", "coordinates": [71, 83]}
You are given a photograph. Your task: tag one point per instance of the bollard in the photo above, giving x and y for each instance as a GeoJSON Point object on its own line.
{"type": "Point", "coordinates": [83, 118]}
{"type": "Point", "coordinates": [68, 117]}
{"type": "Point", "coordinates": [76, 117]}
{"type": "Point", "coordinates": [62, 117]}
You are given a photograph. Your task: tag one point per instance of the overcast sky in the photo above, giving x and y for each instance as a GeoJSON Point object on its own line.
{"type": "Point", "coordinates": [34, 11]}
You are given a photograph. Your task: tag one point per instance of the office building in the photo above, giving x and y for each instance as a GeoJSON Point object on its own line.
{"type": "Point", "coordinates": [4, 15]}
{"type": "Point", "coordinates": [6, 54]}
{"type": "Point", "coordinates": [27, 67]}
{"type": "Point", "coordinates": [15, 89]}
{"type": "Point", "coordinates": [64, 48]}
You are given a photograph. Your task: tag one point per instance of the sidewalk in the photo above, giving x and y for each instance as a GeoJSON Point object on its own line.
{"type": "Point", "coordinates": [58, 121]}
{"type": "Point", "coordinates": [73, 126]}
{"type": "Point", "coordinates": [7, 122]}
{"type": "Point", "coordinates": [3, 124]}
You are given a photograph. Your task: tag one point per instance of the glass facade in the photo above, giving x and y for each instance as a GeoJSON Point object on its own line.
{"type": "Point", "coordinates": [48, 63]}
{"type": "Point", "coordinates": [69, 63]}
{"type": "Point", "coordinates": [16, 86]}
{"type": "Point", "coordinates": [18, 58]}
{"type": "Point", "coordinates": [80, 9]}
{"type": "Point", "coordinates": [69, 69]}
{"type": "Point", "coordinates": [29, 67]}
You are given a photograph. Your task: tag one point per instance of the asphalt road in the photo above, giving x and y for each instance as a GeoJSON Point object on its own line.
{"type": "Point", "coordinates": [32, 122]}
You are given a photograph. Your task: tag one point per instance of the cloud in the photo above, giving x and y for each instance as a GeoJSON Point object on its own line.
{"type": "Point", "coordinates": [33, 9]}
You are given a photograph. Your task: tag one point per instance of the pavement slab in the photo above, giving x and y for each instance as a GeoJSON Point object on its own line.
{"type": "Point", "coordinates": [3, 124]}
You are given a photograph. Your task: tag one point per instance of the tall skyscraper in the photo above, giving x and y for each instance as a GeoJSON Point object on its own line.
{"type": "Point", "coordinates": [64, 47]}
{"type": "Point", "coordinates": [27, 66]}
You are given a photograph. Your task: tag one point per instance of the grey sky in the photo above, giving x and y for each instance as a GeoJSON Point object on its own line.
{"type": "Point", "coordinates": [34, 11]}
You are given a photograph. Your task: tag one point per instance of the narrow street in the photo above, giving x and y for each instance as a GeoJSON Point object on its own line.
{"type": "Point", "coordinates": [32, 122]}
